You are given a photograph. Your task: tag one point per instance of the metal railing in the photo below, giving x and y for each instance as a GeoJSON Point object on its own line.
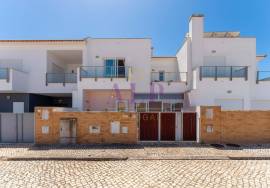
{"type": "Point", "coordinates": [262, 76]}
{"type": "Point", "coordinates": [104, 72]}
{"type": "Point", "coordinates": [62, 78]}
{"type": "Point", "coordinates": [224, 72]}
{"type": "Point", "coordinates": [4, 74]}
{"type": "Point", "coordinates": [169, 77]}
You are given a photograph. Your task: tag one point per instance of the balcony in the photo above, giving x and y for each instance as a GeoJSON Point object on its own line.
{"type": "Point", "coordinates": [263, 76]}
{"type": "Point", "coordinates": [61, 78]}
{"type": "Point", "coordinates": [224, 72]}
{"type": "Point", "coordinates": [171, 82]}
{"type": "Point", "coordinates": [169, 76]}
{"type": "Point", "coordinates": [12, 80]}
{"type": "Point", "coordinates": [105, 72]}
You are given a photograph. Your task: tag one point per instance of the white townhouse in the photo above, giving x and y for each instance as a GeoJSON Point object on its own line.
{"type": "Point", "coordinates": [111, 74]}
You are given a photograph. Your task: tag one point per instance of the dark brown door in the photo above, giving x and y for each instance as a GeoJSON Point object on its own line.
{"type": "Point", "coordinates": [149, 126]}
{"type": "Point", "coordinates": [189, 126]}
{"type": "Point", "coordinates": [167, 126]}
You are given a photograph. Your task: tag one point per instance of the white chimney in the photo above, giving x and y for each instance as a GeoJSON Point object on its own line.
{"type": "Point", "coordinates": [196, 26]}
{"type": "Point", "coordinates": [196, 30]}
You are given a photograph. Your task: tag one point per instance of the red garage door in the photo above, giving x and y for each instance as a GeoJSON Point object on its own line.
{"type": "Point", "coordinates": [189, 126]}
{"type": "Point", "coordinates": [149, 126]}
{"type": "Point", "coordinates": [167, 126]}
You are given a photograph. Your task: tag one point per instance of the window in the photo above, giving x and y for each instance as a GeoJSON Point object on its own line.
{"type": "Point", "coordinates": [122, 106]}
{"type": "Point", "coordinates": [155, 106]}
{"type": "Point", "coordinates": [176, 107]}
{"type": "Point", "coordinates": [166, 107]}
{"type": "Point", "coordinates": [115, 68]}
{"type": "Point", "coordinates": [161, 76]}
{"type": "Point", "coordinates": [140, 107]}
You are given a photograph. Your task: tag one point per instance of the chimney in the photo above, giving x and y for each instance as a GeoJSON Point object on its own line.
{"type": "Point", "coordinates": [196, 26]}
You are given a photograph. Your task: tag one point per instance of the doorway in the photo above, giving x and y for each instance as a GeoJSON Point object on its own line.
{"type": "Point", "coordinates": [189, 126]}
{"type": "Point", "coordinates": [149, 126]}
{"type": "Point", "coordinates": [167, 126]}
{"type": "Point", "coordinates": [68, 131]}
{"type": "Point", "coordinates": [115, 68]}
{"type": "Point", "coordinates": [121, 71]}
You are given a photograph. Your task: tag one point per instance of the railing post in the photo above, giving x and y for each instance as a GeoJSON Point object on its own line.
{"type": "Point", "coordinates": [200, 73]}
{"type": "Point", "coordinates": [46, 79]}
{"type": "Point", "coordinates": [231, 73]}
{"type": "Point", "coordinates": [216, 72]}
{"type": "Point", "coordinates": [95, 70]}
{"type": "Point", "coordinates": [64, 81]}
{"type": "Point", "coordinates": [80, 74]}
{"type": "Point", "coordinates": [186, 78]}
{"type": "Point", "coordinates": [257, 77]}
{"type": "Point", "coordinates": [126, 72]}
{"type": "Point", "coordinates": [8, 75]}
{"type": "Point", "coordinates": [246, 72]}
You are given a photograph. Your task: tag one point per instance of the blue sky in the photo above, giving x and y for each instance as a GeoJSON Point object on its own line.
{"type": "Point", "coordinates": [165, 21]}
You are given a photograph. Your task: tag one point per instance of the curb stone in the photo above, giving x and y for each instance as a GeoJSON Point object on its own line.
{"type": "Point", "coordinates": [131, 158]}
{"type": "Point", "coordinates": [63, 158]}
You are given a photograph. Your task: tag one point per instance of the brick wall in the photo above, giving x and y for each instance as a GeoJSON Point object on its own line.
{"type": "Point", "coordinates": [84, 120]}
{"type": "Point", "coordinates": [234, 126]}
{"type": "Point", "coordinates": [105, 100]}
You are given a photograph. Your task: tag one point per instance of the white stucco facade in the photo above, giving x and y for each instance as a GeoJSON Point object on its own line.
{"type": "Point", "coordinates": [69, 67]}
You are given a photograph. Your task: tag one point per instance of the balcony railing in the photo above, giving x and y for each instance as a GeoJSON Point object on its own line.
{"type": "Point", "coordinates": [4, 74]}
{"type": "Point", "coordinates": [168, 76]}
{"type": "Point", "coordinates": [63, 78]}
{"type": "Point", "coordinates": [224, 72]}
{"type": "Point", "coordinates": [104, 72]}
{"type": "Point", "coordinates": [263, 76]}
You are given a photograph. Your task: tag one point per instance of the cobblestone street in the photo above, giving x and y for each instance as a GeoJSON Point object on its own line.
{"type": "Point", "coordinates": [176, 173]}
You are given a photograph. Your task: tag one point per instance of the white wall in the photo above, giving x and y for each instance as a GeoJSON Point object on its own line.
{"type": "Point", "coordinates": [220, 51]}
{"type": "Point", "coordinates": [34, 58]}
{"type": "Point", "coordinates": [164, 64]}
{"type": "Point", "coordinates": [137, 54]}
{"type": "Point", "coordinates": [184, 61]}
{"type": "Point", "coordinates": [54, 64]}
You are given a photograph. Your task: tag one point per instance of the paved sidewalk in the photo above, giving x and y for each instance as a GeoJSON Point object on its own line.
{"type": "Point", "coordinates": [183, 151]}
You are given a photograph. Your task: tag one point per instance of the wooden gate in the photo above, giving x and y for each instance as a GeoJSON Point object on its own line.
{"type": "Point", "coordinates": [149, 126]}
{"type": "Point", "coordinates": [189, 126]}
{"type": "Point", "coordinates": [167, 126]}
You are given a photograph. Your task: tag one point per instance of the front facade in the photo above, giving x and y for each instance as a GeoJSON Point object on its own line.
{"type": "Point", "coordinates": [95, 74]}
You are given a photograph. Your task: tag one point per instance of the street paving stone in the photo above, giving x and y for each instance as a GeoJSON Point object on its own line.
{"type": "Point", "coordinates": [134, 173]}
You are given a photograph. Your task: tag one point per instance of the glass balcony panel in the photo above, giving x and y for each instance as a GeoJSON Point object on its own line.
{"type": "Point", "coordinates": [208, 72]}
{"type": "Point", "coordinates": [61, 78]}
{"type": "Point", "coordinates": [223, 72]}
{"type": "Point", "coordinates": [169, 76]}
{"type": "Point", "coordinates": [3, 73]}
{"type": "Point", "coordinates": [104, 72]}
{"type": "Point", "coordinates": [238, 72]}
{"type": "Point", "coordinates": [70, 78]}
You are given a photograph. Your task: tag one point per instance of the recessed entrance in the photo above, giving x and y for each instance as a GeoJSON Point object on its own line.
{"type": "Point", "coordinates": [68, 131]}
